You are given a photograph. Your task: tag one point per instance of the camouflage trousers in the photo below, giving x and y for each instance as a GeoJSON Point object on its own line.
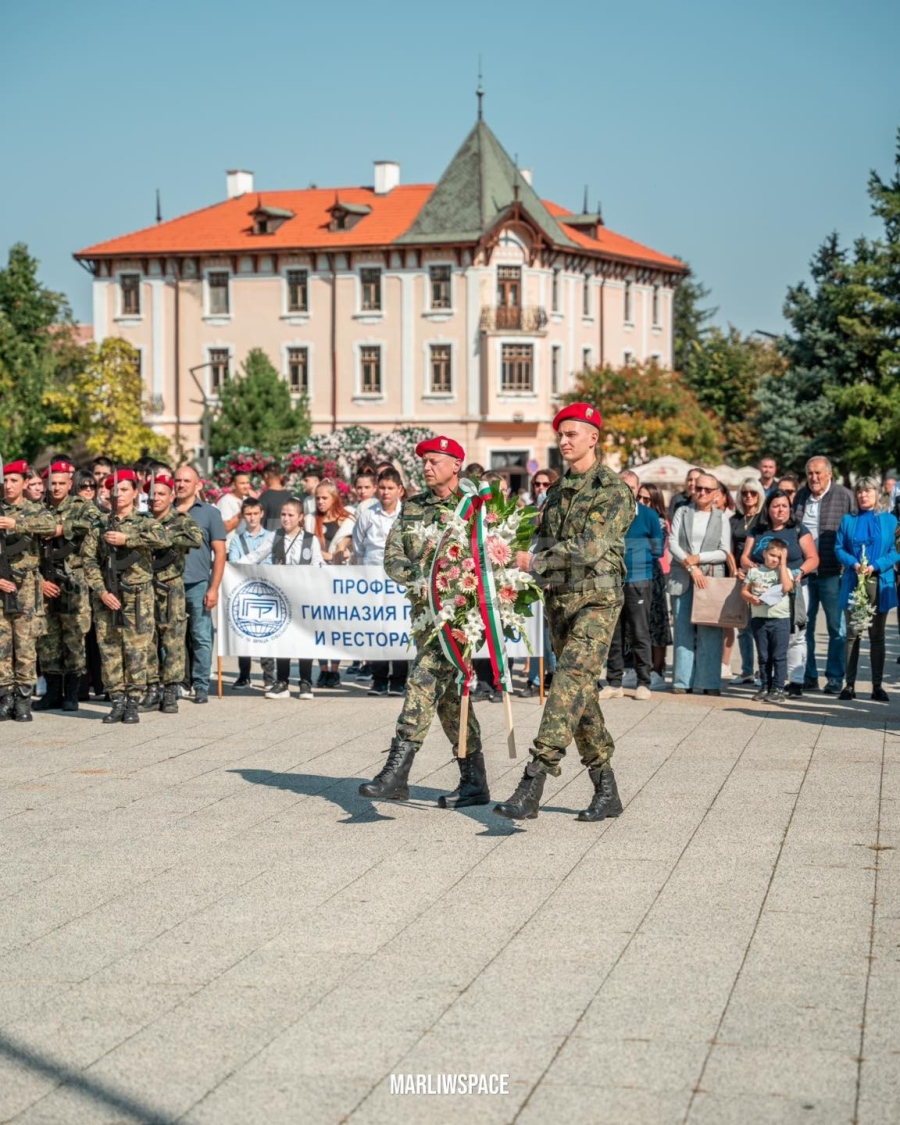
{"type": "Point", "coordinates": [61, 646]}
{"type": "Point", "coordinates": [431, 687]}
{"type": "Point", "coordinates": [171, 629]}
{"type": "Point", "coordinates": [126, 650]}
{"type": "Point", "coordinates": [19, 634]}
{"type": "Point", "coordinates": [581, 628]}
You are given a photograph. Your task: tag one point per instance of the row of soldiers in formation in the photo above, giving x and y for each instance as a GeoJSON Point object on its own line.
{"type": "Point", "coordinates": [64, 563]}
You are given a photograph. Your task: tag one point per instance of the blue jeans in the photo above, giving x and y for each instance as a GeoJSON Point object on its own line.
{"type": "Point", "coordinates": [698, 649]}
{"type": "Point", "coordinates": [825, 592]}
{"type": "Point", "coordinates": [202, 631]}
{"type": "Point", "coordinates": [748, 653]}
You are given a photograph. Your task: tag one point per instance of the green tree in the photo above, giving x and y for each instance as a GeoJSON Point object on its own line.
{"type": "Point", "coordinates": [255, 411]}
{"type": "Point", "coordinates": [99, 404]}
{"type": "Point", "coordinates": [648, 412]}
{"type": "Point", "coordinates": [689, 322]}
{"type": "Point", "coordinates": [35, 342]}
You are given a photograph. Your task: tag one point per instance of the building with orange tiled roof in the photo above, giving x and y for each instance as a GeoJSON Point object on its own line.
{"type": "Point", "coordinates": [466, 306]}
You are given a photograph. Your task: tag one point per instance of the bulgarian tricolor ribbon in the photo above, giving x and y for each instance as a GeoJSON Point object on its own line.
{"type": "Point", "coordinates": [472, 510]}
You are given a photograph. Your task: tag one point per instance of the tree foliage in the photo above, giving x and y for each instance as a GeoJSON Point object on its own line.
{"type": "Point", "coordinates": [255, 411]}
{"type": "Point", "coordinates": [99, 405]}
{"type": "Point", "coordinates": [689, 322]}
{"type": "Point", "coordinates": [648, 412]}
{"type": "Point", "coordinates": [35, 346]}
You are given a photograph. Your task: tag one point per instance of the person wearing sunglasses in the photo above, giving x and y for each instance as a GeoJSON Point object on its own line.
{"type": "Point", "coordinates": [540, 482]}
{"type": "Point", "coordinates": [700, 542]}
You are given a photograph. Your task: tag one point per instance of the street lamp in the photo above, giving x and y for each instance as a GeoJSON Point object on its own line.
{"type": "Point", "coordinates": [205, 420]}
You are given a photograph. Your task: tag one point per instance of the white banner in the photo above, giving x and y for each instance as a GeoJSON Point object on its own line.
{"type": "Point", "coordinates": [328, 613]}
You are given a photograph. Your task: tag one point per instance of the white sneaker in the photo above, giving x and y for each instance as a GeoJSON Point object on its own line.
{"type": "Point", "coordinates": [727, 674]}
{"type": "Point", "coordinates": [643, 693]}
{"type": "Point", "coordinates": [279, 690]}
{"type": "Point", "coordinates": [611, 693]}
{"type": "Point", "coordinates": [306, 691]}
{"type": "Point", "coordinates": [657, 681]}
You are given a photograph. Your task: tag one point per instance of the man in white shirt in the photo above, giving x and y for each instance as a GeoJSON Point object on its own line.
{"type": "Point", "coordinates": [229, 504]}
{"type": "Point", "coordinates": [243, 543]}
{"type": "Point", "coordinates": [370, 534]}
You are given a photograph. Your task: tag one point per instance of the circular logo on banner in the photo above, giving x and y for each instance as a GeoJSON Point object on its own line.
{"type": "Point", "coordinates": [259, 610]}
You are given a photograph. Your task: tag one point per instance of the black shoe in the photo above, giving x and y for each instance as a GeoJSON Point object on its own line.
{"type": "Point", "coordinates": [760, 695]}
{"type": "Point", "coordinates": [606, 801]}
{"type": "Point", "coordinates": [776, 696]}
{"type": "Point", "coordinates": [850, 693]}
{"type": "Point", "coordinates": [334, 679]}
{"type": "Point", "coordinates": [53, 698]}
{"type": "Point", "coordinates": [391, 782]}
{"type": "Point", "coordinates": [117, 712]}
{"type": "Point", "coordinates": [879, 695]}
{"type": "Point", "coordinates": [22, 705]}
{"type": "Point", "coordinates": [810, 684]}
{"type": "Point", "coordinates": [378, 689]}
{"type": "Point", "coordinates": [711, 691]}
{"type": "Point", "coordinates": [396, 689]}
{"type": "Point", "coordinates": [71, 687]}
{"type": "Point", "coordinates": [151, 700]}
{"type": "Point", "coordinates": [473, 785]}
{"type": "Point", "coordinates": [548, 680]}
{"type": "Point", "coordinates": [6, 705]}
{"type": "Point", "coordinates": [201, 695]}
{"type": "Point", "coordinates": [529, 691]}
{"type": "Point", "coordinates": [525, 802]}
{"type": "Point", "coordinates": [831, 688]}
{"type": "Point", "coordinates": [168, 705]}
{"type": "Point", "coordinates": [241, 682]}
{"type": "Point", "coordinates": [131, 710]}
{"type": "Point", "coordinates": [794, 690]}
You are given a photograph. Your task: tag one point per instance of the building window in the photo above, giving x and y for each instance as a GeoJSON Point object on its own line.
{"type": "Point", "coordinates": [629, 298]}
{"type": "Point", "coordinates": [628, 357]}
{"type": "Point", "coordinates": [586, 296]}
{"type": "Point", "coordinates": [440, 287]}
{"type": "Point", "coordinates": [298, 293]}
{"type": "Point", "coordinates": [370, 370]}
{"type": "Point", "coordinates": [554, 292]}
{"type": "Point", "coordinates": [298, 370]}
{"type": "Point", "coordinates": [371, 290]}
{"type": "Point", "coordinates": [218, 368]}
{"type": "Point", "coordinates": [218, 293]}
{"type": "Point", "coordinates": [517, 368]}
{"type": "Point", "coordinates": [441, 372]}
{"type": "Point", "coordinates": [585, 359]}
{"type": "Point", "coordinates": [130, 287]}
{"type": "Point", "coordinates": [555, 364]}
{"type": "Point", "coordinates": [654, 306]}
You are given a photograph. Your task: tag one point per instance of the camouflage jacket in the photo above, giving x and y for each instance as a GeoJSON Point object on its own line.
{"type": "Point", "coordinates": [402, 560]}
{"type": "Point", "coordinates": [77, 517]}
{"type": "Point", "coordinates": [184, 534]}
{"type": "Point", "coordinates": [580, 544]}
{"type": "Point", "coordinates": [134, 561]}
{"type": "Point", "coordinates": [33, 523]}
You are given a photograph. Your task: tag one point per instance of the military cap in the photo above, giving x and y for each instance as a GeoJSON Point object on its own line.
{"type": "Point", "coordinates": [123, 474]}
{"type": "Point", "coordinates": [441, 445]}
{"type": "Point", "coordinates": [160, 478]}
{"type": "Point", "coordinates": [20, 467]}
{"type": "Point", "coordinates": [579, 412]}
{"type": "Point", "coordinates": [58, 467]}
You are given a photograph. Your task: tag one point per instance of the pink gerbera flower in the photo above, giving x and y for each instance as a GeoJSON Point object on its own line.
{"type": "Point", "coordinates": [498, 551]}
{"type": "Point", "coordinates": [454, 551]}
{"type": "Point", "coordinates": [469, 583]}
{"type": "Point", "coordinates": [507, 594]}
{"type": "Point", "coordinates": [458, 635]}
{"type": "Point", "coordinates": [443, 583]}
{"type": "Point", "coordinates": [460, 600]}
{"type": "Point", "coordinates": [454, 573]}
{"type": "Point", "coordinates": [468, 564]}
{"type": "Point", "coordinates": [491, 518]}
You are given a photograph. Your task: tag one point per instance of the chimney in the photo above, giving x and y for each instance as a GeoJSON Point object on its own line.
{"type": "Point", "coordinates": [527, 174]}
{"type": "Point", "coordinates": [238, 182]}
{"type": "Point", "coordinates": [387, 176]}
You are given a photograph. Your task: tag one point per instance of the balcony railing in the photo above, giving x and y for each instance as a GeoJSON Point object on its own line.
{"type": "Point", "coordinates": [500, 318]}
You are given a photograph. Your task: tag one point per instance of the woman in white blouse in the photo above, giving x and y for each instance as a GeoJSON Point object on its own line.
{"type": "Point", "coordinates": [699, 543]}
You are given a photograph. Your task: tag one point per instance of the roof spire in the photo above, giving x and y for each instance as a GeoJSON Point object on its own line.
{"type": "Point", "coordinates": [158, 208]}
{"type": "Point", "coordinates": [479, 93]}
{"type": "Point", "coordinates": [584, 209]}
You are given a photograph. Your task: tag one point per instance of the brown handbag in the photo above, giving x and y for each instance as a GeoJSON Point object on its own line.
{"type": "Point", "coordinates": [721, 604]}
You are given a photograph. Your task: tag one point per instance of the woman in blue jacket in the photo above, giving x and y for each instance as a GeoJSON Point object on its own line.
{"type": "Point", "coordinates": [875, 533]}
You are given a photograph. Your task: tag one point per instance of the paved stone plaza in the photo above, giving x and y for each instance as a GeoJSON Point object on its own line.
{"type": "Point", "coordinates": [201, 921]}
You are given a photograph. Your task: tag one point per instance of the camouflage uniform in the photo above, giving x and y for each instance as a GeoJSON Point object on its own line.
{"type": "Point", "coordinates": [20, 630]}
{"type": "Point", "coordinates": [168, 587]}
{"type": "Point", "coordinates": [580, 558]}
{"type": "Point", "coordinates": [126, 649]}
{"type": "Point", "coordinates": [431, 686]}
{"type": "Point", "coordinates": [68, 617]}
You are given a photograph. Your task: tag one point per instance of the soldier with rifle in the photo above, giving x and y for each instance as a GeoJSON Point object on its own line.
{"type": "Point", "coordinates": [118, 567]}
{"type": "Point", "coordinates": [166, 674]}
{"type": "Point", "coordinates": [22, 524]}
{"type": "Point", "coordinates": [67, 607]}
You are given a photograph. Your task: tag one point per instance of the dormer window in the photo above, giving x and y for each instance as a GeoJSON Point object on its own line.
{"type": "Point", "coordinates": [267, 220]}
{"type": "Point", "coordinates": [345, 216]}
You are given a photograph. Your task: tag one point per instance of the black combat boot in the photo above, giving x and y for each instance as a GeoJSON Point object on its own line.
{"type": "Point", "coordinates": [131, 710]}
{"type": "Point", "coordinates": [390, 784]}
{"type": "Point", "coordinates": [117, 711]}
{"type": "Point", "coordinates": [52, 701]}
{"type": "Point", "coordinates": [6, 705]}
{"type": "Point", "coordinates": [473, 785]}
{"type": "Point", "coordinates": [22, 705]}
{"type": "Point", "coordinates": [524, 803]}
{"type": "Point", "coordinates": [152, 698]}
{"type": "Point", "coordinates": [71, 685]}
{"type": "Point", "coordinates": [605, 801]}
{"type": "Point", "coordinates": [169, 702]}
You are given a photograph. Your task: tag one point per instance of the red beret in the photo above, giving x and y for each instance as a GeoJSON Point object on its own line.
{"type": "Point", "coordinates": [441, 445]}
{"type": "Point", "coordinates": [122, 474]}
{"type": "Point", "coordinates": [58, 467]}
{"type": "Point", "coordinates": [20, 467]}
{"type": "Point", "coordinates": [579, 412]}
{"type": "Point", "coordinates": [160, 478]}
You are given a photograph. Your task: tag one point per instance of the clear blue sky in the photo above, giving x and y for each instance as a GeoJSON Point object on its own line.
{"type": "Point", "coordinates": [735, 135]}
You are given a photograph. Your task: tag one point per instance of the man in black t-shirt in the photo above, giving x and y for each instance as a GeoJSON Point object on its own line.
{"type": "Point", "coordinates": [274, 497]}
